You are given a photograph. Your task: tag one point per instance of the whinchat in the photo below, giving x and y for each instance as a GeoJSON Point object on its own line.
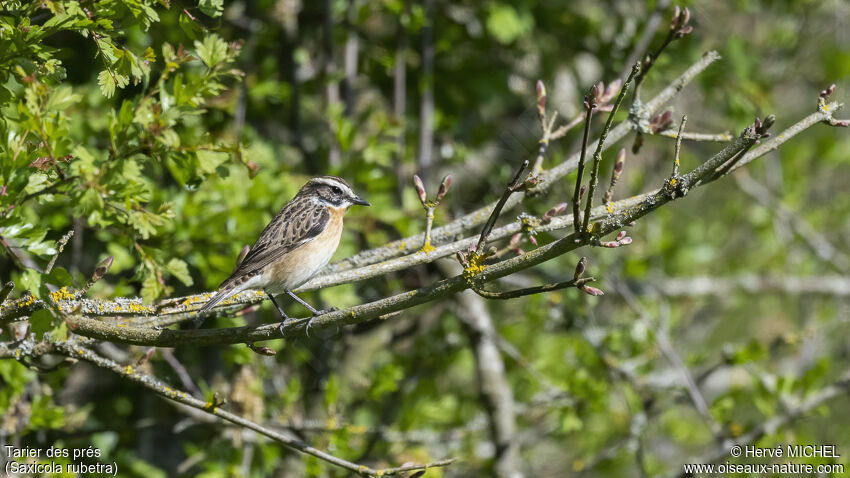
{"type": "Point", "coordinates": [295, 246]}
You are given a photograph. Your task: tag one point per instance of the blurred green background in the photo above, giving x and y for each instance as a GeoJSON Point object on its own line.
{"type": "Point", "coordinates": [174, 131]}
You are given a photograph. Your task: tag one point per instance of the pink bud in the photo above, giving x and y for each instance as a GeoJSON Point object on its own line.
{"type": "Point", "coordinates": [541, 98]}
{"type": "Point", "coordinates": [532, 239]}
{"type": "Point", "coordinates": [621, 235]}
{"type": "Point", "coordinates": [461, 257]}
{"type": "Point", "coordinates": [420, 189]}
{"type": "Point", "coordinates": [592, 290]}
{"type": "Point", "coordinates": [554, 211]}
{"type": "Point", "coordinates": [444, 187]}
{"type": "Point", "coordinates": [626, 241]}
{"type": "Point", "coordinates": [581, 267]}
{"type": "Point", "coordinates": [102, 269]}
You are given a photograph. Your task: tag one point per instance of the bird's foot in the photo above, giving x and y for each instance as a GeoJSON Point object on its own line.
{"type": "Point", "coordinates": [317, 313]}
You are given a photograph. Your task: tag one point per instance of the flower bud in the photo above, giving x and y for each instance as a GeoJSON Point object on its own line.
{"type": "Point", "coordinates": [102, 269]}
{"type": "Point", "coordinates": [541, 98]}
{"type": "Point", "coordinates": [444, 188]}
{"type": "Point", "coordinates": [420, 189]}
{"type": "Point", "coordinates": [581, 267]}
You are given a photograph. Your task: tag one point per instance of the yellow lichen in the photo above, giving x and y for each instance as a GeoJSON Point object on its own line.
{"type": "Point", "coordinates": [610, 208]}
{"type": "Point", "coordinates": [473, 266]}
{"type": "Point", "coordinates": [673, 181]}
{"type": "Point", "coordinates": [427, 247]}
{"type": "Point", "coordinates": [61, 294]}
{"type": "Point", "coordinates": [129, 370]}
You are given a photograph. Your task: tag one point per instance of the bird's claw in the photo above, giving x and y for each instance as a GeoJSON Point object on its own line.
{"type": "Point", "coordinates": [316, 314]}
{"type": "Point", "coordinates": [310, 321]}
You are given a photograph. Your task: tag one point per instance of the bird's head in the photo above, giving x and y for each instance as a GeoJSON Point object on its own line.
{"type": "Point", "coordinates": [332, 191]}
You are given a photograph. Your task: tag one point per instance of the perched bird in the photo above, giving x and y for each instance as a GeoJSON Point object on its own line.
{"type": "Point", "coordinates": [295, 246]}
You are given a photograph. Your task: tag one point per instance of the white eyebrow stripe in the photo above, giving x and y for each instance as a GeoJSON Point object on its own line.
{"type": "Point", "coordinates": [319, 201]}
{"type": "Point", "coordinates": [333, 182]}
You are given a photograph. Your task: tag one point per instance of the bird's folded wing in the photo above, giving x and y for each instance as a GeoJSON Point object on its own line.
{"type": "Point", "coordinates": [296, 224]}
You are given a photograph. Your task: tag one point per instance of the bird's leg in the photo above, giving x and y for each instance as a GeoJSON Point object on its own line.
{"type": "Point", "coordinates": [309, 307]}
{"type": "Point", "coordinates": [280, 310]}
{"type": "Point", "coordinates": [303, 302]}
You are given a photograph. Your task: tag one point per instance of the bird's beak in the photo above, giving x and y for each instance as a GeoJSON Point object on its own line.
{"type": "Point", "coordinates": [360, 201]}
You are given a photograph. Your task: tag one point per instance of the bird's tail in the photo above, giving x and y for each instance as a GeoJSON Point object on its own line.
{"type": "Point", "coordinates": [223, 294]}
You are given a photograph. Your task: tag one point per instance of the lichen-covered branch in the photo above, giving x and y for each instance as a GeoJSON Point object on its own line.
{"type": "Point", "coordinates": [360, 313]}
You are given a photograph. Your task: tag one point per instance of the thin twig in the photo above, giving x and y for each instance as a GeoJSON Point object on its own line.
{"type": "Point", "coordinates": [532, 290]}
{"type": "Point", "coordinates": [678, 147]}
{"type": "Point", "coordinates": [60, 246]}
{"type": "Point", "coordinates": [706, 137]}
{"type": "Point", "coordinates": [597, 156]}
{"type": "Point", "coordinates": [494, 216]}
{"type": "Point", "coordinates": [588, 112]}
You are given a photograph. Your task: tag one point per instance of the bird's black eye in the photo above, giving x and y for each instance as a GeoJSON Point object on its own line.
{"type": "Point", "coordinates": [336, 190]}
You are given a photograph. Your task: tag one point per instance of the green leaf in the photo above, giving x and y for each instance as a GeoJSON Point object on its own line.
{"type": "Point", "coordinates": [180, 270]}
{"type": "Point", "coordinates": [107, 83]}
{"type": "Point", "coordinates": [212, 51]}
{"type": "Point", "coordinates": [208, 161]}
{"type": "Point", "coordinates": [41, 321]}
{"type": "Point", "coordinates": [90, 201]}
{"type": "Point", "coordinates": [151, 288]}
{"type": "Point", "coordinates": [143, 222]}
{"type": "Point", "coordinates": [61, 98]}
{"type": "Point", "coordinates": [59, 276]}
{"type": "Point", "coordinates": [212, 8]}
